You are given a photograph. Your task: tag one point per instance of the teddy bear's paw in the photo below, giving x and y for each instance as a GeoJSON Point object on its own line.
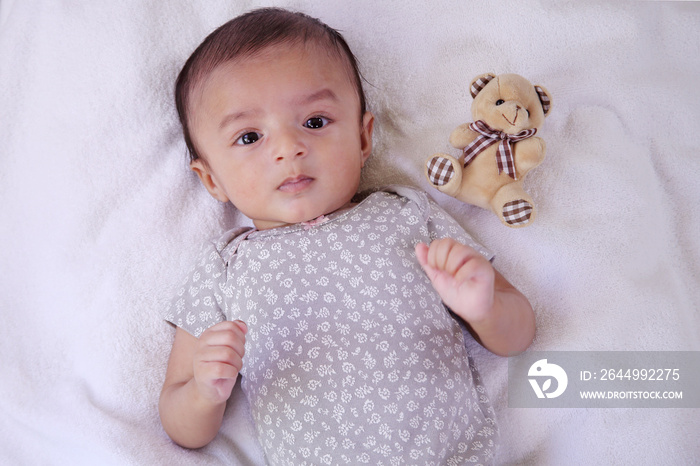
{"type": "Point", "coordinates": [440, 171]}
{"type": "Point", "coordinates": [517, 213]}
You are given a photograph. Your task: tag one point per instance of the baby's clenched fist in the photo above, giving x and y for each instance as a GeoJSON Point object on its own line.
{"type": "Point", "coordinates": [463, 278]}
{"type": "Point", "coordinates": [218, 359]}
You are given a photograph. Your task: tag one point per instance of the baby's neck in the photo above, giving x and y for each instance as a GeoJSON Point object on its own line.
{"type": "Point", "coordinates": [313, 222]}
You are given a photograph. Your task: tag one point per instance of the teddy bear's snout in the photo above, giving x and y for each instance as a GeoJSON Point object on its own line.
{"type": "Point", "coordinates": [515, 115]}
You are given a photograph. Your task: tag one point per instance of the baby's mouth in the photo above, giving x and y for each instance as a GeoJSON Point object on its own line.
{"type": "Point", "coordinates": [295, 184]}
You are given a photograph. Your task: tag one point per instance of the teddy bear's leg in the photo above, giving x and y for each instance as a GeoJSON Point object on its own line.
{"type": "Point", "coordinates": [444, 172]}
{"type": "Point", "coordinates": [513, 206]}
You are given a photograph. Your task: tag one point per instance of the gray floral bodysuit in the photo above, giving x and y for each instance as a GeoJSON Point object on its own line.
{"type": "Point", "coordinates": [351, 357]}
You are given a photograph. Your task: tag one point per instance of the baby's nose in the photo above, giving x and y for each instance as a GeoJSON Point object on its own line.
{"type": "Point", "coordinates": [289, 144]}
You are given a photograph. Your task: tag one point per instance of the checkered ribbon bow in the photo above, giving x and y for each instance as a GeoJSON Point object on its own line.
{"type": "Point", "coordinates": [488, 136]}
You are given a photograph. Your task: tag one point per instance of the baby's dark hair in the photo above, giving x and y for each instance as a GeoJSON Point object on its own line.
{"type": "Point", "coordinates": [248, 34]}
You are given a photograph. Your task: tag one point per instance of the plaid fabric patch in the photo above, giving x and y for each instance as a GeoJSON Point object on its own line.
{"type": "Point", "coordinates": [488, 136]}
{"type": "Point", "coordinates": [544, 98]}
{"type": "Point", "coordinates": [440, 171]}
{"type": "Point", "coordinates": [479, 84]}
{"type": "Point", "coordinates": [517, 212]}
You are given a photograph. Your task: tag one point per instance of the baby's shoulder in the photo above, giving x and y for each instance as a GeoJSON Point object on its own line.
{"type": "Point", "coordinates": [226, 244]}
{"type": "Point", "coordinates": [408, 195]}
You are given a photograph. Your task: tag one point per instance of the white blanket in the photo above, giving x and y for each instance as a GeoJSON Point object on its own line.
{"type": "Point", "coordinates": [100, 217]}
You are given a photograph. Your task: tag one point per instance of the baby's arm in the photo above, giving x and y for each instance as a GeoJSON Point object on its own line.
{"type": "Point", "coordinates": [201, 374]}
{"type": "Point", "coordinates": [499, 315]}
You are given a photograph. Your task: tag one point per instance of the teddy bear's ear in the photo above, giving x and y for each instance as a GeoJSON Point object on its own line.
{"type": "Point", "coordinates": [479, 83]}
{"type": "Point", "coordinates": [545, 99]}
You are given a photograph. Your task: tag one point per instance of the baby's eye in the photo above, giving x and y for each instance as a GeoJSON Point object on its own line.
{"type": "Point", "coordinates": [316, 122]}
{"type": "Point", "coordinates": [500, 102]}
{"type": "Point", "coordinates": [248, 138]}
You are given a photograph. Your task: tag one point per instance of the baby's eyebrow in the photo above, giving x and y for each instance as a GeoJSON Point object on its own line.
{"type": "Point", "coordinates": [231, 117]}
{"type": "Point", "coordinates": [323, 94]}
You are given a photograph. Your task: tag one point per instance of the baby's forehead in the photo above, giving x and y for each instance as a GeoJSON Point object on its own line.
{"type": "Point", "coordinates": [264, 58]}
{"type": "Point", "coordinates": [310, 49]}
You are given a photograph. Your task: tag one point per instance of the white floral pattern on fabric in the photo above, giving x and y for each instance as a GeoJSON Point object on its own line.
{"type": "Point", "coordinates": [351, 358]}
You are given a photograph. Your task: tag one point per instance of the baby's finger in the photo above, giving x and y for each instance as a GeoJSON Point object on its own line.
{"type": "Point", "coordinates": [242, 325]}
{"type": "Point", "coordinates": [221, 347]}
{"type": "Point", "coordinates": [476, 270]}
{"type": "Point", "coordinates": [422, 253]}
{"type": "Point", "coordinates": [211, 370]}
{"type": "Point", "coordinates": [228, 325]}
{"type": "Point", "coordinates": [224, 332]}
{"type": "Point", "coordinates": [422, 256]}
{"type": "Point", "coordinates": [439, 252]}
{"type": "Point", "coordinates": [216, 380]}
{"type": "Point", "coordinates": [459, 255]}
{"type": "Point", "coordinates": [221, 354]}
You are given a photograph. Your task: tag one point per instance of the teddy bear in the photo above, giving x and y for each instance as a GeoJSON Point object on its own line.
{"type": "Point", "coordinates": [498, 149]}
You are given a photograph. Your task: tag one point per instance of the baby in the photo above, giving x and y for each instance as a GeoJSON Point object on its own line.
{"type": "Point", "coordinates": [334, 308]}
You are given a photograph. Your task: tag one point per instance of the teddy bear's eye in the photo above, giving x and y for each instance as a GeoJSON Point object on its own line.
{"type": "Point", "coordinates": [500, 101]}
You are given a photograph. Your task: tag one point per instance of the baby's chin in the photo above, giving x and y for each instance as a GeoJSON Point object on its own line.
{"type": "Point", "coordinates": [300, 212]}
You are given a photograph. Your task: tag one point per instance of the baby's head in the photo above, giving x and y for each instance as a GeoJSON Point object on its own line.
{"type": "Point", "coordinates": [250, 34]}
{"type": "Point", "coordinates": [274, 116]}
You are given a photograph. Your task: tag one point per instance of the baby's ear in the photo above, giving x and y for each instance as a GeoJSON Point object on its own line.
{"type": "Point", "coordinates": [366, 135]}
{"type": "Point", "coordinates": [203, 171]}
{"type": "Point", "coordinates": [479, 83]}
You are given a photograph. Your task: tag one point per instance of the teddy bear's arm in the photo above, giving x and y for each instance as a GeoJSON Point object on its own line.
{"type": "Point", "coordinates": [462, 136]}
{"type": "Point", "coordinates": [529, 154]}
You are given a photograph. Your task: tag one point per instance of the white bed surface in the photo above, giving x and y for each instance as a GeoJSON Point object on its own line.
{"type": "Point", "coordinates": [100, 217]}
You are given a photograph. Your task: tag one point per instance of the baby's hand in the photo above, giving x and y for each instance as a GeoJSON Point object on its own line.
{"type": "Point", "coordinates": [463, 278]}
{"type": "Point", "coordinates": [218, 359]}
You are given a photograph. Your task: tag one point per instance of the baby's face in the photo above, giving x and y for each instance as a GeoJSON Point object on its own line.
{"type": "Point", "coordinates": [281, 135]}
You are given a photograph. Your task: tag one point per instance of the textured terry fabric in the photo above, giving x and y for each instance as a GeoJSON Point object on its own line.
{"type": "Point", "coordinates": [351, 358]}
